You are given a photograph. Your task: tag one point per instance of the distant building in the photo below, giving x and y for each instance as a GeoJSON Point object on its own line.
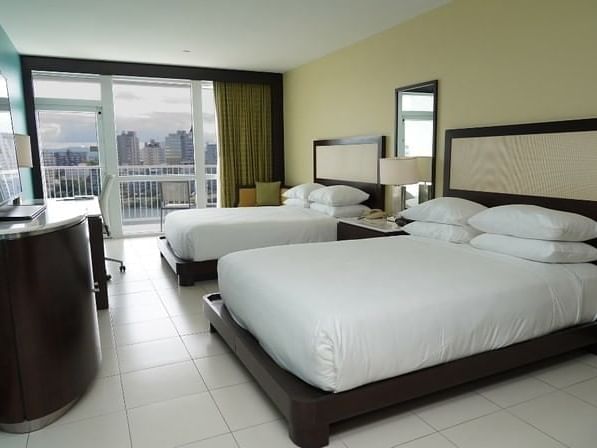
{"type": "Point", "coordinates": [48, 158]}
{"type": "Point", "coordinates": [70, 158]}
{"type": "Point", "coordinates": [179, 148]}
{"type": "Point", "coordinates": [153, 153]}
{"type": "Point", "coordinates": [127, 145]}
{"type": "Point", "coordinates": [211, 154]}
{"type": "Point", "coordinates": [93, 155]}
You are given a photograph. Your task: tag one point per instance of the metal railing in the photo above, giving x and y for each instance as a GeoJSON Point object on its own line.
{"type": "Point", "coordinates": [140, 199]}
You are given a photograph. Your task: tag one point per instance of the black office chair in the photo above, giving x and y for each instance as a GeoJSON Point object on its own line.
{"type": "Point", "coordinates": [103, 200]}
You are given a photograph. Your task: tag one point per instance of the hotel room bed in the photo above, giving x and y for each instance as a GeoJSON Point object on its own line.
{"type": "Point", "coordinates": [195, 239]}
{"type": "Point", "coordinates": [210, 233]}
{"type": "Point", "coordinates": [348, 304]}
{"type": "Point", "coordinates": [371, 323]}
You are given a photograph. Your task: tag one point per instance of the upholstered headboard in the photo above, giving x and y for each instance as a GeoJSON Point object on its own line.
{"type": "Point", "coordinates": [351, 161]}
{"type": "Point", "coordinates": [550, 164]}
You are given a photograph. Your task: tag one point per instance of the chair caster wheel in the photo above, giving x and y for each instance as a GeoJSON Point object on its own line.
{"type": "Point", "coordinates": [122, 268]}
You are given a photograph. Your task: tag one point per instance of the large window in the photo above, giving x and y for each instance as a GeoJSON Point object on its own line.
{"type": "Point", "coordinates": [157, 131]}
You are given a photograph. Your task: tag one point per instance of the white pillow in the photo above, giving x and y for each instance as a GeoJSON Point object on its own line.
{"type": "Point", "coordinates": [301, 191]}
{"type": "Point", "coordinates": [444, 232]}
{"type": "Point", "coordinates": [446, 210]}
{"type": "Point", "coordinates": [536, 250]}
{"type": "Point", "coordinates": [343, 211]}
{"type": "Point", "coordinates": [338, 195]}
{"type": "Point", "coordinates": [300, 203]}
{"type": "Point", "coordinates": [531, 221]}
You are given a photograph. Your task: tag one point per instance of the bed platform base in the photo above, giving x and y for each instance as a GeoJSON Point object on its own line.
{"type": "Point", "coordinates": [310, 411]}
{"type": "Point", "coordinates": [188, 272]}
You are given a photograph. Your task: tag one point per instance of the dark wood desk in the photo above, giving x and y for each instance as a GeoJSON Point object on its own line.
{"type": "Point", "coordinates": [59, 210]}
{"type": "Point", "coordinates": [49, 335]}
{"type": "Point", "coordinates": [91, 208]}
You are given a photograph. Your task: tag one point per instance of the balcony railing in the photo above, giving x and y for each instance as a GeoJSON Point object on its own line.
{"type": "Point", "coordinates": [140, 198]}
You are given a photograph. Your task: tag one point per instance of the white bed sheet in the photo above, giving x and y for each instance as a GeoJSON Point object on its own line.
{"type": "Point", "coordinates": [210, 233]}
{"type": "Point", "coordinates": [343, 314]}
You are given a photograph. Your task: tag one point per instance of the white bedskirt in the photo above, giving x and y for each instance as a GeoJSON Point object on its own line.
{"type": "Point", "coordinates": [343, 314]}
{"type": "Point", "coordinates": [210, 233]}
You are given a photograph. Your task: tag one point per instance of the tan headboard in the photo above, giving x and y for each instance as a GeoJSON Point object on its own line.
{"type": "Point", "coordinates": [550, 164]}
{"type": "Point", "coordinates": [351, 161]}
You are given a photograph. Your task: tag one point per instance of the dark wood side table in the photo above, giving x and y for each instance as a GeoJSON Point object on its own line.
{"type": "Point", "coordinates": [354, 229]}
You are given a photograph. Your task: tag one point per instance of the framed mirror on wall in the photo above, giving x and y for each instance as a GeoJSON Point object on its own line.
{"type": "Point", "coordinates": [416, 136]}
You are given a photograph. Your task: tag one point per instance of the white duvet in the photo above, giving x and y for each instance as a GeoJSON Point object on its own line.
{"type": "Point", "coordinates": [343, 314]}
{"type": "Point", "coordinates": [210, 233]}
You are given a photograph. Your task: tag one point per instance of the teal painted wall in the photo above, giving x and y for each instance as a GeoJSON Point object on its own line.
{"type": "Point", "coordinates": [10, 66]}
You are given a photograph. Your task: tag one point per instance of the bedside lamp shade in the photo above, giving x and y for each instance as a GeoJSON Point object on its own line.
{"type": "Point", "coordinates": [398, 171]}
{"type": "Point", "coordinates": [23, 147]}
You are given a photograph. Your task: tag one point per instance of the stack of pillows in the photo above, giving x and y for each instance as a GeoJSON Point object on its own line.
{"type": "Point", "coordinates": [339, 201]}
{"type": "Point", "coordinates": [523, 231]}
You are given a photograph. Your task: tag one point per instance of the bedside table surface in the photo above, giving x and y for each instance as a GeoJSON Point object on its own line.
{"type": "Point", "coordinates": [381, 226]}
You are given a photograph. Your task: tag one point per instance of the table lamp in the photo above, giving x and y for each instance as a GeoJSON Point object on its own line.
{"type": "Point", "coordinates": [399, 172]}
{"type": "Point", "coordinates": [23, 149]}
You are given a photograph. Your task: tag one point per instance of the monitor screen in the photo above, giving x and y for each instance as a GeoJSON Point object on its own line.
{"type": "Point", "coordinates": [10, 181]}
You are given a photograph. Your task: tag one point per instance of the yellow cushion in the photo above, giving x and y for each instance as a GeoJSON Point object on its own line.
{"type": "Point", "coordinates": [246, 197]}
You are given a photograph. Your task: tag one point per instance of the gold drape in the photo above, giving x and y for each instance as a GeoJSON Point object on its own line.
{"type": "Point", "coordinates": [244, 136]}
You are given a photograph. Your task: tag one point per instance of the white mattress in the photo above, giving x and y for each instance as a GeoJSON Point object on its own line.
{"type": "Point", "coordinates": [210, 233]}
{"type": "Point", "coordinates": [343, 314]}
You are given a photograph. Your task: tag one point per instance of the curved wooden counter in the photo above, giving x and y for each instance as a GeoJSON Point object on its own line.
{"type": "Point", "coordinates": [49, 337]}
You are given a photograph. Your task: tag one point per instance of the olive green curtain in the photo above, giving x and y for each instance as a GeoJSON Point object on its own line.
{"type": "Point", "coordinates": [244, 137]}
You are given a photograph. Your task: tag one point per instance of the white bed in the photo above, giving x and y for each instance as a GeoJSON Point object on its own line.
{"type": "Point", "coordinates": [208, 234]}
{"type": "Point", "coordinates": [340, 315]}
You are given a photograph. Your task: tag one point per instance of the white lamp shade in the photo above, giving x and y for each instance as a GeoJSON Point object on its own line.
{"type": "Point", "coordinates": [424, 169]}
{"type": "Point", "coordinates": [398, 171]}
{"type": "Point", "coordinates": [23, 147]}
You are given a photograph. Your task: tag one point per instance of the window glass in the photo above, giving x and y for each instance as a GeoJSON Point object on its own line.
{"type": "Point", "coordinates": [422, 102]}
{"type": "Point", "coordinates": [66, 88]}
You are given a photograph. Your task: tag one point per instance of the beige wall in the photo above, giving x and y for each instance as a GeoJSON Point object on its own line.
{"type": "Point", "coordinates": [497, 61]}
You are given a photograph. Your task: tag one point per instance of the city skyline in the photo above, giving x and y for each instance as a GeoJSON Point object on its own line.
{"type": "Point", "coordinates": [131, 151]}
{"type": "Point", "coordinates": [151, 111]}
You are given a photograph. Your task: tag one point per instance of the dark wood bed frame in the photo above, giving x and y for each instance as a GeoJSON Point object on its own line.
{"type": "Point", "coordinates": [310, 411]}
{"type": "Point", "coordinates": [189, 272]}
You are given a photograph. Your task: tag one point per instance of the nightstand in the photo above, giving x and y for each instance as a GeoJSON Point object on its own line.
{"type": "Point", "coordinates": [354, 229]}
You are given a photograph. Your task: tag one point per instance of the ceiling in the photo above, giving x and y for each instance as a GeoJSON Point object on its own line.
{"type": "Point", "coordinates": [265, 35]}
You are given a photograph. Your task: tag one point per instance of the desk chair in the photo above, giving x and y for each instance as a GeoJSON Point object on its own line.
{"type": "Point", "coordinates": [175, 196]}
{"type": "Point", "coordinates": [103, 200]}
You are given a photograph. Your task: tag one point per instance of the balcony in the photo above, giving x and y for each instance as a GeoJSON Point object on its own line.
{"type": "Point", "coordinates": [139, 198]}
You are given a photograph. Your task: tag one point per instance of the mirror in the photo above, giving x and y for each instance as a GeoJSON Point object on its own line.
{"type": "Point", "coordinates": [10, 182]}
{"type": "Point", "coordinates": [415, 135]}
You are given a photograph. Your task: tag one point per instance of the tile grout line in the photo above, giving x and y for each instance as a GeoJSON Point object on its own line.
{"type": "Point", "coordinates": [126, 412]}
{"type": "Point", "coordinates": [538, 429]}
{"type": "Point", "coordinates": [206, 387]}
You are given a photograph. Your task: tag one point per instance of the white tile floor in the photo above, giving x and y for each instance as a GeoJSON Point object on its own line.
{"type": "Point", "coordinates": [166, 382]}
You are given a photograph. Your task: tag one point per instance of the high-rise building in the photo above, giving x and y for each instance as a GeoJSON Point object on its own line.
{"type": "Point", "coordinates": [153, 153]}
{"type": "Point", "coordinates": [127, 145]}
{"type": "Point", "coordinates": [211, 154]}
{"type": "Point", "coordinates": [179, 148]}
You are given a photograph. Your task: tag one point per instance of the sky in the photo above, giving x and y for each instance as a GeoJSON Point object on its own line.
{"type": "Point", "coordinates": [152, 111]}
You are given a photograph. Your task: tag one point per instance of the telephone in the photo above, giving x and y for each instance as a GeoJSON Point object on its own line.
{"type": "Point", "coordinates": [374, 213]}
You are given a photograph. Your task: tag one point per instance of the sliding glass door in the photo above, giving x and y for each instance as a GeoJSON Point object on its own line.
{"type": "Point", "coordinates": [145, 131]}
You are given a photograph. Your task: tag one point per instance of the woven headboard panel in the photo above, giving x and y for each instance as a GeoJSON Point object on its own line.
{"type": "Point", "coordinates": [351, 161]}
{"type": "Point", "coordinates": [549, 164]}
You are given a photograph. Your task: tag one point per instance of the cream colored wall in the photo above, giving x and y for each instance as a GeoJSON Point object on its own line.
{"type": "Point", "coordinates": [497, 62]}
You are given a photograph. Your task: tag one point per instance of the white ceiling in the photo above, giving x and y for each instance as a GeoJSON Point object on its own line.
{"type": "Point", "coordinates": [267, 35]}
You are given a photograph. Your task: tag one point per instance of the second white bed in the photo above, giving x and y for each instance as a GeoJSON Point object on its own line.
{"type": "Point", "coordinates": [343, 314]}
{"type": "Point", "coordinates": [210, 233]}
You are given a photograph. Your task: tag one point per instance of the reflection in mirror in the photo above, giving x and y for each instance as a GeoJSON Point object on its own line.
{"type": "Point", "coordinates": [10, 183]}
{"type": "Point", "coordinates": [415, 136]}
